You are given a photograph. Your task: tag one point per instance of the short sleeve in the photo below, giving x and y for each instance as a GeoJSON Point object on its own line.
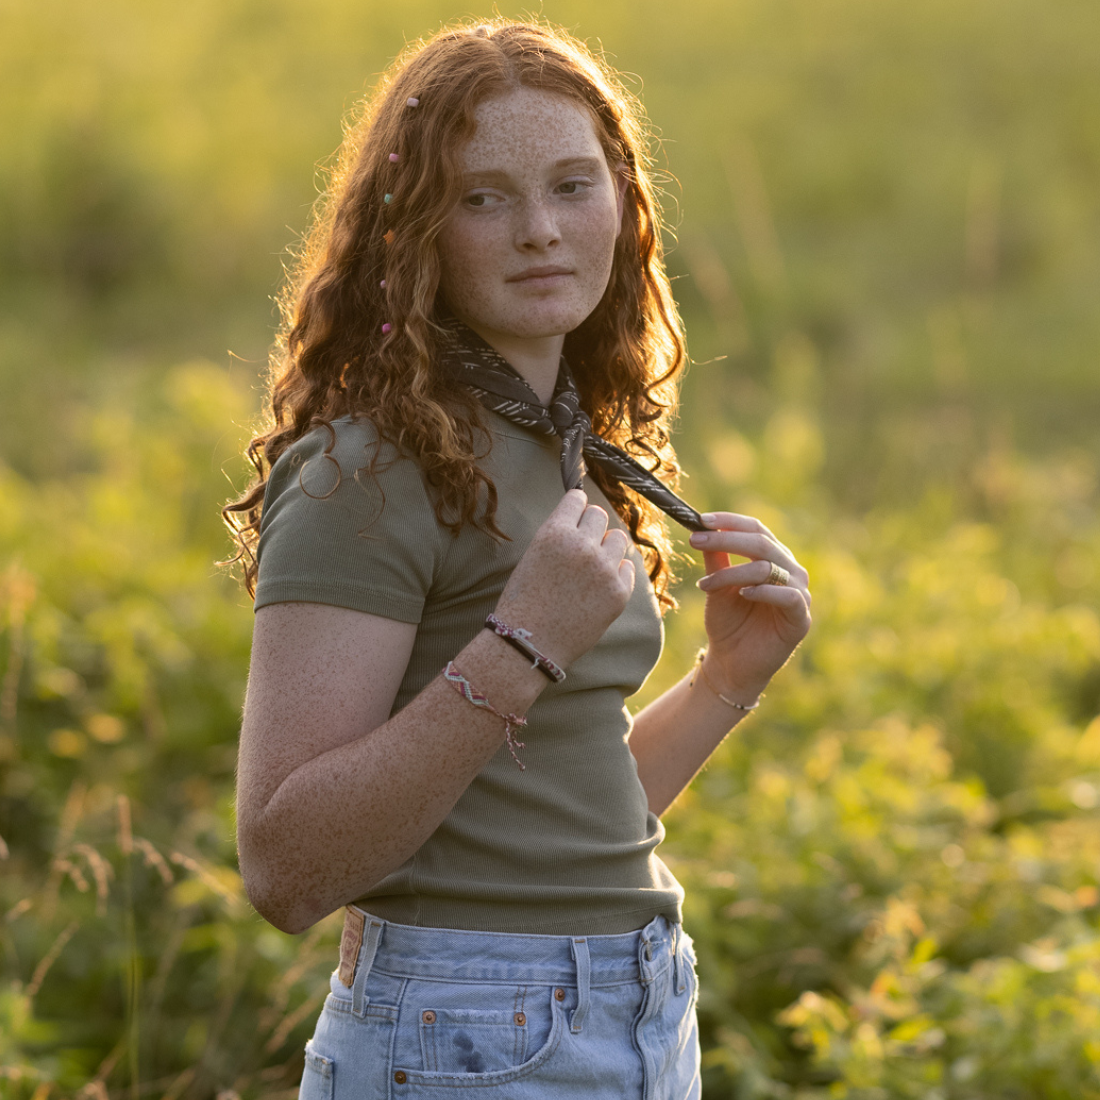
{"type": "Point", "coordinates": [333, 532]}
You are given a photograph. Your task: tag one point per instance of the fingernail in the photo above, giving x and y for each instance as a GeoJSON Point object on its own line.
{"type": "Point", "coordinates": [748, 590]}
{"type": "Point", "coordinates": [703, 584]}
{"type": "Point", "coordinates": [699, 538]}
{"type": "Point", "coordinates": [708, 517]}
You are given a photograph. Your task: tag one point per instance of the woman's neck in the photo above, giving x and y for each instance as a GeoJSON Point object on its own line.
{"type": "Point", "coordinates": [536, 360]}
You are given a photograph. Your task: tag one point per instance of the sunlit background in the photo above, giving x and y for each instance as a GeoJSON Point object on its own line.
{"type": "Point", "coordinates": [886, 247]}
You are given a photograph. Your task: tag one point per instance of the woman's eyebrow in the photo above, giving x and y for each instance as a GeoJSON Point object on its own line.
{"type": "Point", "coordinates": [590, 164]}
{"type": "Point", "coordinates": [493, 175]}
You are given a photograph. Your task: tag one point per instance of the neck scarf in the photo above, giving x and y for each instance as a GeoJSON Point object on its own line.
{"type": "Point", "coordinates": [499, 387]}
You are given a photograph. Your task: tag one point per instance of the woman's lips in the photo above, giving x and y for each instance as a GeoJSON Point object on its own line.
{"type": "Point", "coordinates": [541, 275]}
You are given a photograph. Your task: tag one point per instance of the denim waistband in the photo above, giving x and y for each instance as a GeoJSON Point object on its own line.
{"type": "Point", "coordinates": [405, 951]}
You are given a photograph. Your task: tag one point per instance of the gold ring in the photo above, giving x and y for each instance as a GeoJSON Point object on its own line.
{"type": "Point", "coordinates": [778, 576]}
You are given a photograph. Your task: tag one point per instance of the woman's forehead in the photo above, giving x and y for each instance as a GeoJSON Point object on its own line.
{"type": "Point", "coordinates": [528, 127]}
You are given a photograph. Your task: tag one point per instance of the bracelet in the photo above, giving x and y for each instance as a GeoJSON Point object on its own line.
{"type": "Point", "coordinates": [706, 680]}
{"type": "Point", "coordinates": [472, 695]}
{"type": "Point", "coordinates": [520, 639]}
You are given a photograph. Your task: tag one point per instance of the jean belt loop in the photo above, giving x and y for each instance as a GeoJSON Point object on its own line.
{"type": "Point", "coordinates": [584, 981]}
{"type": "Point", "coordinates": [359, 998]}
{"type": "Point", "coordinates": [677, 959]}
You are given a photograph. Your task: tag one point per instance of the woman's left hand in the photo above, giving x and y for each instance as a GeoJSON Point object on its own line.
{"type": "Point", "coordinates": [752, 626]}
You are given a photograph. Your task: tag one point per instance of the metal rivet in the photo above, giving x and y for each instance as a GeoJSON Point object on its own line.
{"type": "Point", "coordinates": [400, 1077]}
{"type": "Point", "coordinates": [559, 994]}
{"type": "Point", "coordinates": [429, 1016]}
{"type": "Point", "coordinates": [520, 1019]}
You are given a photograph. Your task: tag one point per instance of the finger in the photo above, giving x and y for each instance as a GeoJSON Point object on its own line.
{"type": "Point", "coordinates": [747, 573]}
{"type": "Point", "coordinates": [735, 521]}
{"type": "Point", "coordinates": [571, 507]}
{"type": "Point", "coordinates": [628, 575]}
{"type": "Point", "coordinates": [792, 602]}
{"type": "Point", "coordinates": [616, 542]}
{"type": "Point", "coordinates": [593, 522]}
{"type": "Point", "coordinates": [749, 544]}
{"type": "Point", "coordinates": [757, 546]}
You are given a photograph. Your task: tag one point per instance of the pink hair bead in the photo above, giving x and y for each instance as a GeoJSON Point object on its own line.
{"type": "Point", "coordinates": [413, 101]}
{"type": "Point", "coordinates": [382, 284]}
{"type": "Point", "coordinates": [387, 328]}
{"type": "Point", "coordinates": [394, 157]}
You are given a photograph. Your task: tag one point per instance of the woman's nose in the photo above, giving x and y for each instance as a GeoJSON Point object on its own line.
{"type": "Point", "coordinates": [537, 226]}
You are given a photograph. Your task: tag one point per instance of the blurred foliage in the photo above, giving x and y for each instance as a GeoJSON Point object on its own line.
{"type": "Point", "coordinates": [887, 260]}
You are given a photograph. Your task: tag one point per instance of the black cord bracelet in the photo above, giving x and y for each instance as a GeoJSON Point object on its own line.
{"type": "Point", "coordinates": [520, 640]}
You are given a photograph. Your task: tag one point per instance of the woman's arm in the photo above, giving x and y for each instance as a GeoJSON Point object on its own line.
{"type": "Point", "coordinates": [331, 795]}
{"type": "Point", "coordinates": [752, 630]}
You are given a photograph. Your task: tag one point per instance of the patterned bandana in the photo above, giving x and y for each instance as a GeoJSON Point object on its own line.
{"type": "Point", "coordinates": [499, 387]}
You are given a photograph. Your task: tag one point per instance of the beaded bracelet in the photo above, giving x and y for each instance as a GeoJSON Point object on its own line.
{"type": "Point", "coordinates": [706, 680]}
{"type": "Point", "coordinates": [472, 695]}
{"type": "Point", "coordinates": [520, 639]}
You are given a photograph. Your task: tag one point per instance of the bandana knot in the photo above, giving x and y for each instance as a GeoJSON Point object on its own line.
{"type": "Point", "coordinates": [499, 387]}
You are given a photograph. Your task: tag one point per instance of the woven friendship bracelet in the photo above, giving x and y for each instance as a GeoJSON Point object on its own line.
{"type": "Point", "coordinates": [472, 695]}
{"type": "Point", "coordinates": [706, 680]}
{"type": "Point", "coordinates": [520, 639]}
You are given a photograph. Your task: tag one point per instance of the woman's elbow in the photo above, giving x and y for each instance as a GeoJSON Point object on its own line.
{"type": "Point", "coordinates": [288, 911]}
{"type": "Point", "coordinates": [278, 894]}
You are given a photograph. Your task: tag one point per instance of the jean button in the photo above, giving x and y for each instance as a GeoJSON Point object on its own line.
{"type": "Point", "coordinates": [559, 994]}
{"type": "Point", "coordinates": [400, 1077]}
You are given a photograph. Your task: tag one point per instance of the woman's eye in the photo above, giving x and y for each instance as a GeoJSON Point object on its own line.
{"type": "Point", "coordinates": [572, 187]}
{"type": "Point", "coordinates": [479, 200]}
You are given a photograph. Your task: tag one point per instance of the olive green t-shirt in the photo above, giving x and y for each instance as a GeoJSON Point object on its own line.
{"type": "Point", "coordinates": [566, 846]}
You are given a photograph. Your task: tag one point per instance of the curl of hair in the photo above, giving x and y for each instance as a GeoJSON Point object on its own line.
{"type": "Point", "coordinates": [331, 357]}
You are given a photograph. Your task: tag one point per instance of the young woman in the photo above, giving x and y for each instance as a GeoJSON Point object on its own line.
{"type": "Point", "coordinates": [457, 549]}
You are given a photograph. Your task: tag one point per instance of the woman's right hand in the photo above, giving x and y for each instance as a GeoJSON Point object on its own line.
{"type": "Point", "coordinates": [572, 582]}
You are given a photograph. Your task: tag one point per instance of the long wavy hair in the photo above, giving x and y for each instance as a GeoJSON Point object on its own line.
{"type": "Point", "coordinates": [359, 333]}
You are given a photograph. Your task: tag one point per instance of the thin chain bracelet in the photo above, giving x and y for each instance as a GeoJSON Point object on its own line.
{"type": "Point", "coordinates": [520, 639]}
{"type": "Point", "coordinates": [706, 680]}
{"type": "Point", "coordinates": [512, 722]}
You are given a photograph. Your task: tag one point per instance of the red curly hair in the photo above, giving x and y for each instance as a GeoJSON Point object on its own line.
{"type": "Point", "coordinates": [331, 357]}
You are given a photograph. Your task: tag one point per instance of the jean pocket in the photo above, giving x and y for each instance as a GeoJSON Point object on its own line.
{"type": "Point", "coordinates": [318, 1077]}
{"type": "Point", "coordinates": [477, 1035]}
{"type": "Point", "coordinates": [456, 1040]}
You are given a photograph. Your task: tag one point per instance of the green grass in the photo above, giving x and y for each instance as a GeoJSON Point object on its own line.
{"type": "Point", "coordinates": [885, 219]}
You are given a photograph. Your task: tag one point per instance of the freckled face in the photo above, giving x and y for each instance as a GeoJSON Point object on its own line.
{"type": "Point", "coordinates": [526, 254]}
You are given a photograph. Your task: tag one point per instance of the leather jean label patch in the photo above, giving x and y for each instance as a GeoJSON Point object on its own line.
{"type": "Point", "coordinates": [350, 942]}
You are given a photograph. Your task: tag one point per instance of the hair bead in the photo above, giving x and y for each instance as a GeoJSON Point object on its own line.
{"type": "Point", "coordinates": [394, 157]}
{"type": "Point", "coordinates": [382, 284]}
{"type": "Point", "coordinates": [389, 236]}
{"type": "Point", "coordinates": [412, 101]}
{"type": "Point", "coordinates": [387, 328]}
{"type": "Point", "coordinates": [387, 198]}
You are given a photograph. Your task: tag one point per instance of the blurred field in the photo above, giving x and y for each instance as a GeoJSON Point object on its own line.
{"type": "Point", "coordinates": [887, 250]}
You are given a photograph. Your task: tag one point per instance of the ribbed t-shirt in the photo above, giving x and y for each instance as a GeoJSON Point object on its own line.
{"type": "Point", "coordinates": [566, 846]}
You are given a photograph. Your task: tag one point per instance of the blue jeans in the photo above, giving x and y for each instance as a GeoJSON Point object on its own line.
{"type": "Point", "coordinates": [432, 1012]}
